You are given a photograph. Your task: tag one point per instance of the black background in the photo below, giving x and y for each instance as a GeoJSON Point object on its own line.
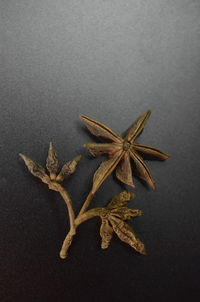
{"type": "Point", "coordinates": [111, 60]}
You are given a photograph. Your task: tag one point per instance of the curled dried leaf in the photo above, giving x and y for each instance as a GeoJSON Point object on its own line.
{"type": "Point", "coordinates": [125, 213]}
{"type": "Point", "coordinates": [68, 169]}
{"type": "Point", "coordinates": [35, 169]}
{"type": "Point", "coordinates": [121, 199]}
{"type": "Point", "coordinates": [126, 234]}
{"type": "Point", "coordinates": [106, 233]}
{"type": "Point", "coordinates": [52, 160]}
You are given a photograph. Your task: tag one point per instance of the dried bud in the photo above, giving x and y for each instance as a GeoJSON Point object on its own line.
{"type": "Point", "coordinates": [35, 169]}
{"type": "Point", "coordinates": [52, 161]}
{"type": "Point", "coordinates": [68, 169]}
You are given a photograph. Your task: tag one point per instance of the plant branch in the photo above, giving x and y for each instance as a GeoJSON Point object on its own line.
{"type": "Point", "coordinates": [86, 203]}
{"type": "Point", "coordinates": [63, 192]}
{"type": "Point", "coordinates": [80, 219]}
{"type": "Point", "coordinates": [68, 202]}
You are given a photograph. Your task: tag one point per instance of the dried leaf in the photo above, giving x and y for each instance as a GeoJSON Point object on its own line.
{"type": "Point", "coordinates": [150, 150]}
{"type": "Point", "coordinates": [100, 130]}
{"type": "Point", "coordinates": [124, 171]}
{"type": "Point", "coordinates": [97, 149]}
{"type": "Point", "coordinates": [68, 169]}
{"type": "Point", "coordinates": [104, 170]}
{"type": "Point", "coordinates": [120, 199]}
{"type": "Point", "coordinates": [126, 234]}
{"type": "Point", "coordinates": [96, 212]}
{"type": "Point", "coordinates": [106, 233]}
{"type": "Point", "coordinates": [52, 160]}
{"type": "Point", "coordinates": [125, 213]}
{"type": "Point", "coordinates": [137, 126]}
{"type": "Point", "coordinates": [142, 169]}
{"type": "Point", "coordinates": [35, 169]}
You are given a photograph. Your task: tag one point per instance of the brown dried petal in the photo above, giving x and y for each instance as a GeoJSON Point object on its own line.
{"type": "Point", "coordinates": [124, 171]}
{"type": "Point", "coordinates": [125, 213]}
{"type": "Point", "coordinates": [137, 126]}
{"type": "Point", "coordinates": [106, 233]}
{"type": "Point", "coordinates": [100, 130]}
{"type": "Point", "coordinates": [120, 199]}
{"type": "Point", "coordinates": [142, 169]}
{"type": "Point", "coordinates": [150, 150]}
{"type": "Point", "coordinates": [126, 234]}
{"type": "Point", "coordinates": [97, 149]}
{"type": "Point", "coordinates": [104, 170]}
{"type": "Point", "coordinates": [52, 160]}
{"type": "Point", "coordinates": [35, 169]}
{"type": "Point", "coordinates": [68, 169]}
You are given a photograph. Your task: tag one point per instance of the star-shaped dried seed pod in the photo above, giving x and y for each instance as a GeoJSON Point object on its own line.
{"type": "Point", "coordinates": [52, 167]}
{"type": "Point", "coordinates": [113, 217]}
{"type": "Point", "coordinates": [119, 151]}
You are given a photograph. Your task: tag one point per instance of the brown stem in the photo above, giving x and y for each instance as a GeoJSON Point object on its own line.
{"type": "Point", "coordinates": [86, 203]}
{"type": "Point", "coordinates": [82, 216]}
{"type": "Point", "coordinates": [66, 244]}
{"type": "Point", "coordinates": [80, 219]}
{"type": "Point", "coordinates": [88, 215]}
{"type": "Point", "coordinates": [57, 187]}
{"type": "Point", "coordinates": [68, 202]}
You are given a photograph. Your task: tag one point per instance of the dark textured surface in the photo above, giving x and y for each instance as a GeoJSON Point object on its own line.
{"type": "Point", "coordinates": [110, 60]}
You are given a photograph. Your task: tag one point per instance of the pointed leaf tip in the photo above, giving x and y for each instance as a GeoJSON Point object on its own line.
{"type": "Point", "coordinates": [137, 127]}
{"type": "Point", "coordinates": [82, 116]}
{"type": "Point", "coordinates": [21, 155]}
{"type": "Point", "coordinates": [78, 158]}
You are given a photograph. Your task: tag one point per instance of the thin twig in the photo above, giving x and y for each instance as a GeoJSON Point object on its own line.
{"type": "Point", "coordinates": [86, 203]}
{"type": "Point", "coordinates": [80, 219]}
{"type": "Point", "coordinates": [63, 192]}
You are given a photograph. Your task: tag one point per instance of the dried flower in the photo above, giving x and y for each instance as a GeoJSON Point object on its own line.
{"type": "Point", "coordinates": [52, 181]}
{"type": "Point", "coordinates": [52, 166]}
{"type": "Point", "coordinates": [119, 151]}
{"type": "Point", "coordinates": [113, 221]}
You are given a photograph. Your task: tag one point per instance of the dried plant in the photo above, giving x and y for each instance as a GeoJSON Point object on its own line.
{"type": "Point", "coordinates": [120, 151]}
